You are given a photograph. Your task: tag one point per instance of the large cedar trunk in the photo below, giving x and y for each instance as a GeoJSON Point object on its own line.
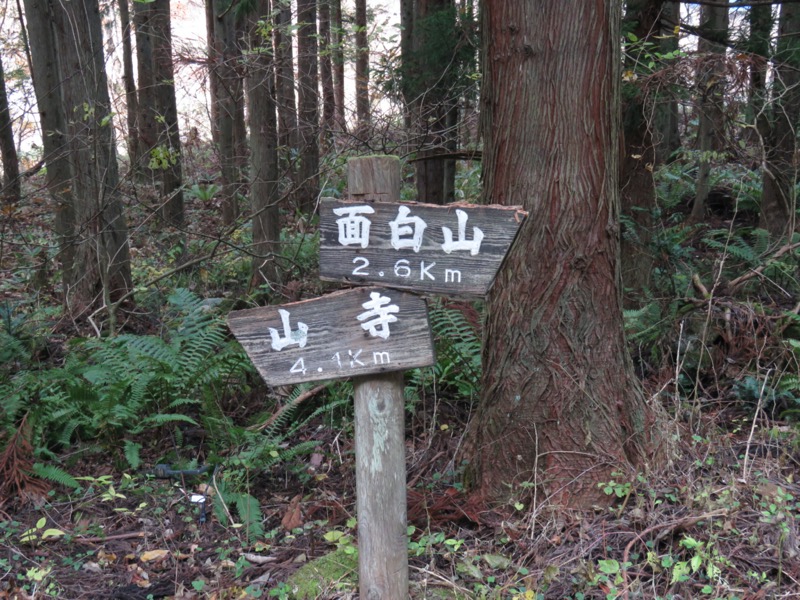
{"type": "Point", "coordinates": [560, 404]}
{"type": "Point", "coordinates": [263, 151]}
{"type": "Point", "coordinates": [46, 84]}
{"type": "Point", "coordinates": [102, 263]}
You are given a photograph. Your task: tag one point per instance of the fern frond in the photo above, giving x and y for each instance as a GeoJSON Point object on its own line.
{"type": "Point", "coordinates": [131, 452]}
{"type": "Point", "coordinates": [56, 475]}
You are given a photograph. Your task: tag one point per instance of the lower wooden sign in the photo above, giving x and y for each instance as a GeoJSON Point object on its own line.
{"type": "Point", "coordinates": [349, 333]}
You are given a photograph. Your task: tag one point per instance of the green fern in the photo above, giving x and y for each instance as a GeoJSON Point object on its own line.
{"type": "Point", "coordinates": [56, 475]}
{"type": "Point", "coordinates": [458, 355]}
{"type": "Point", "coordinates": [131, 451]}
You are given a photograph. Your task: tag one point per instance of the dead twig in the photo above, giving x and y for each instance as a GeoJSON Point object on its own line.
{"type": "Point", "coordinates": [760, 269]}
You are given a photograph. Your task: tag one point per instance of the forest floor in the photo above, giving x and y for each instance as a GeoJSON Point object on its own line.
{"type": "Point", "coordinates": [720, 521]}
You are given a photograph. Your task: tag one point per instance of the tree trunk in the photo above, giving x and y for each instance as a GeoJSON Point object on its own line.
{"type": "Point", "coordinates": [362, 64]}
{"type": "Point", "coordinates": [146, 126]}
{"type": "Point", "coordinates": [213, 60]}
{"type": "Point", "coordinates": [131, 101]}
{"type": "Point", "coordinates": [102, 261]}
{"type": "Point", "coordinates": [229, 88]}
{"type": "Point", "coordinates": [758, 47]}
{"type": "Point", "coordinates": [10, 190]}
{"type": "Point", "coordinates": [337, 57]}
{"type": "Point", "coordinates": [169, 139]}
{"type": "Point", "coordinates": [778, 198]}
{"type": "Point", "coordinates": [308, 102]}
{"type": "Point", "coordinates": [711, 87]}
{"type": "Point", "coordinates": [430, 49]}
{"type": "Point", "coordinates": [666, 135]}
{"type": "Point", "coordinates": [326, 72]}
{"type": "Point", "coordinates": [560, 404]}
{"type": "Point", "coordinates": [263, 152]}
{"type": "Point", "coordinates": [52, 116]}
{"type": "Point", "coordinates": [637, 188]}
{"type": "Point", "coordinates": [284, 74]}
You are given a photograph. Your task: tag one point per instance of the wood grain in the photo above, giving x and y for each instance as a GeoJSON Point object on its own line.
{"type": "Point", "coordinates": [381, 487]}
{"type": "Point", "coordinates": [428, 268]}
{"type": "Point", "coordinates": [336, 344]}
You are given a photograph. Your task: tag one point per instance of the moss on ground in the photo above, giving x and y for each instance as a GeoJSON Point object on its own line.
{"type": "Point", "coordinates": [335, 571]}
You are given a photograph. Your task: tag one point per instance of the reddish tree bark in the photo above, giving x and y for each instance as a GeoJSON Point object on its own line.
{"type": "Point", "coordinates": [560, 404]}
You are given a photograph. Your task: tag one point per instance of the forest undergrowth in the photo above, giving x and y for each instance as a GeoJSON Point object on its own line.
{"type": "Point", "coordinates": [154, 462]}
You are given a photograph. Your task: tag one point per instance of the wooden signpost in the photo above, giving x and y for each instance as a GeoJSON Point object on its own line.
{"type": "Point", "coordinates": [374, 333]}
{"type": "Point", "coordinates": [453, 250]}
{"type": "Point", "coordinates": [344, 334]}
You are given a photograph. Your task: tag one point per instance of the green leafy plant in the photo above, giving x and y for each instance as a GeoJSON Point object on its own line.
{"type": "Point", "coordinates": [116, 387]}
{"type": "Point", "coordinates": [458, 354]}
{"type": "Point", "coordinates": [204, 193]}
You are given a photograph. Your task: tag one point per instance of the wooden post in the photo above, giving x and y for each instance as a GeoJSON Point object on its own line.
{"type": "Point", "coordinates": [380, 436]}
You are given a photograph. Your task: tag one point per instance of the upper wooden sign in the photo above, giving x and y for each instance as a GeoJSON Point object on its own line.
{"type": "Point", "coordinates": [348, 333]}
{"type": "Point", "coordinates": [453, 250]}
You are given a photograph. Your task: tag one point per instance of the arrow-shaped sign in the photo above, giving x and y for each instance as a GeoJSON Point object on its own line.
{"type": "Point", "coordinates": [344, 334]}
{"type": "Point", "coordinates": [452, 250]}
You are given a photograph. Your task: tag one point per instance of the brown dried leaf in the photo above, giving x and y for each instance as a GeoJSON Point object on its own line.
{"type": "Point", "coordinates": [293, 517]}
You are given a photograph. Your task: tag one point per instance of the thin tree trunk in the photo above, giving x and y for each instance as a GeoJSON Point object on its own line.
{"type": "Point", "coordinates": [284, 64]}
{"type": "Point", "coordinates": [758, 45]}
{"type": "Point", "coordinates": [637, 188]}
{"type": "Point", "coordinates": [263, 153]}
{"type": "Point", "coordinates": [146, 81]}
{"type": "Point", "coordinates": [102, 235]}
{"type": "Point", "coordinates": [429, 80]}
{"type": "Point", "coordinates": [225, 40]}
{"type": "Point", "coordinates": [326, 72]}
{"type": "Point", "coordinates": [167, 115]}
{"type": "Point", "coordinates": [778, 198]}
{"type": "Point", "coordinates": [10, 190]}
{"type": "Point", "coordinates": [47, 87]}
{"type": "Point", "coordinates": [308, 103]}
{"type": "Point", "coordinates": [665, 116]}
{"type": "Point", "coordinates": [131, 101]}
{"type": "Point", "coordinates": [213, 61]}
{"type": "Point", "coordinates": [337, 57]}
{"type": "Point", "coordinates": [711, 87]}
{"type": "Point", "coordinates": [560, 405]}
{"type": "Point", "coordinates": [362, 63]}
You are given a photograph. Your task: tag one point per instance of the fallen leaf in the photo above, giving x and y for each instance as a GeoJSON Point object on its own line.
{"type": "Point", "coordinates": [258, 559]}
{"type": "Point", "coordinates": [91, 567]}
{"type": "Point", "coordinates": [152, 555]}
{"type": "Point", "coordinates": [293, 517]}
{"type": "Point", "coordinates": [495, 561]}
{"type": "Point", "coordinates": [205, 489]}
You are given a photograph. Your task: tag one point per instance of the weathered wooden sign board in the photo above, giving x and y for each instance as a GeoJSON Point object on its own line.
{"type": "Point", "coordinates": [454, 250]}
{"type": "Point", "coordinates": [343, 334]}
